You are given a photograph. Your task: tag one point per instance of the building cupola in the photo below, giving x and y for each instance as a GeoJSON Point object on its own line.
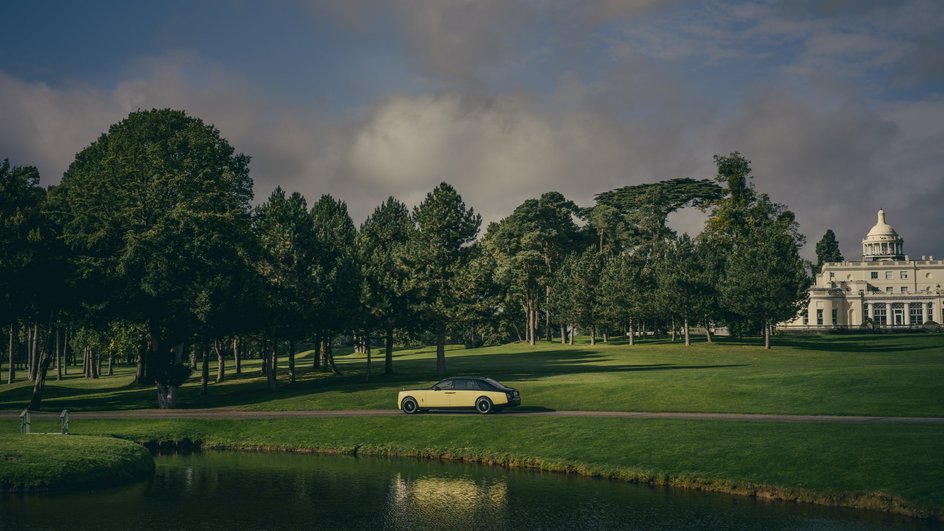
{"type": "Point", "coordinates": [882, 242]}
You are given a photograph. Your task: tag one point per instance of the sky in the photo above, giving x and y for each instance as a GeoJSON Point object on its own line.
{"type": "Point", "coordinates": [839, 104]}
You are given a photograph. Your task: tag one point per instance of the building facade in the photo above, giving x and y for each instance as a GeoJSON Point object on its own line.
{"type": "Point", "coordinates": [885, 289]}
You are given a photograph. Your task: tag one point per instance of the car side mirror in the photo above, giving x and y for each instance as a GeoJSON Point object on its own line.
{"type": "Point", "coordinates": [435, 388]}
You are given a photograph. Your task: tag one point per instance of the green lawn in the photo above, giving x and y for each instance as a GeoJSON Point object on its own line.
{"type": "Point", "coordinates": [886, 375]}
{"type": "Point", "coordinates": [887, 467]}
{"type": "Point", "coordinates": [43, 462]}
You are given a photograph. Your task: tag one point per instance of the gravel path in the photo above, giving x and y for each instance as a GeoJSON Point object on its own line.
{"type": "Point", "coordinates": [246, 414]}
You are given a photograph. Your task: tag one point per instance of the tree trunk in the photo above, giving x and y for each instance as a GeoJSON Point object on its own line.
{"type": "Point", "coordinates": [606, 335]}
{"type": "Point", "coordinates": [708, 331]}
{"type": "Point", "coordinates": [325, 351]}
{"type": "Point", "coordinates": [367, 348]}
{"type": "Point", "coordinates": [291, 362]}
{"type": "Point", "coordinates": [45, 358]}
{"type": "Point", "coordinates": [111, 362]}
{"type": "Point", "coordinates": [193, 358]}
{"type": "Point", "coordinates": [98, 365]}
{"type": "Point", "coordinates": [388, 352]}
{"type": "Point", "coordinates": [65, 352]}
{"type": "Point", "coordinates": [11, 353]}
{"type": "Point", "coordinates": [33, 353]}
{"type": "Point", "coordinates": [140, 373]}
{"type": "Point", "coordinates": [58, 356]}
{"type": "Point", "coordinates": [204, 370]}
{"type": "Point", "coordinates": [573, 332]}
{"type": "Point", "coordinates": [220, 359]}
{"type": "Point", "coordinates": [273, 364]}
{"type": "Point", "coordinates": [166, 396]}
{"type": "Point", "coordinates": [237, 361]}
{"type": "Point", "coordinates": [766, 336]}
{"type": "Point", "coordinates": [688, 341]}
{"type": "Point", "coordinates": [441, 349]}
{"type": "Point", "coordinates": [329, 355]}
{"type": "Point", "coordinates": [547, 313]}
{"type": "Point", "coordinates": [563, 331]}
{"type": "Point", "coordinates": [593, 335]}
{"type": "Point", "coordinates": [673, 329]}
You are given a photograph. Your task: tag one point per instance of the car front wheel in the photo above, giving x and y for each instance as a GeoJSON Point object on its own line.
{"type": "Point", "coordinates": [483, 405]}
{"type": "Point", "coordinates": [409, 405]}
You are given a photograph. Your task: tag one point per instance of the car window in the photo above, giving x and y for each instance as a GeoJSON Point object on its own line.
{"type": "Point", "coordinates": [445, 384]}
{"type": "Point", "coordinates": [496, 384]}
{"type": "Point", "coordinates": [464, 385]}
{"type": "Point", "coordinates": [485, 386]}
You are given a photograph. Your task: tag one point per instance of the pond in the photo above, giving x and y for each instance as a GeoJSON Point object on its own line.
{"type": "Point", "coordinates": [230, 490]}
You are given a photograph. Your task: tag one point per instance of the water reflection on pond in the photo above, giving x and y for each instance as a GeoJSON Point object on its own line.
{"type": "Point", "coordinates": [278, 491]}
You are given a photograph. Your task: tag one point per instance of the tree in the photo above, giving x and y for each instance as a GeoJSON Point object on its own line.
{"type": "Point", "coordinates": [579, 282]}
{"type": "Point", "coordinates": [381, 244]}
{"type": "Point", "coordinates": [21, 235]}
{"type": "Point", "coordinates": [288, 263]}
{"type": "Point", "coordinates": [765, 279]}
{"type": "Point", "coordinates": [445, 229]}
{"type": "Point", "coordinates": [678, 283]}
{"type": "Point", "coordinates": [827, 250]}
{"type": "Point", "coordinates": [339, 284]}
{"type": "Point", "coordinates": [621, 295]}
{"type": "Point", "coordinates": [153, 212]}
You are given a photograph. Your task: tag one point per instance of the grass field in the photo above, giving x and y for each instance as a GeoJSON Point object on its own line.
{"type": "Point", "coordinates": [888, 467]}
{"type": "Point", "coordinates": [38, 462]}
{"type": "Point", "coordinates": [882, 375]}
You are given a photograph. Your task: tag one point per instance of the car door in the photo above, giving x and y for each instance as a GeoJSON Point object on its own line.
{"type": "Point", "coordinates": [465, 394]}
{"type": "Point", "coordinates": [440, 395]}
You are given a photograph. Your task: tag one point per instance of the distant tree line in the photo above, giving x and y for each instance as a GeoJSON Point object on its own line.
{"type": "Point", "coordinates": [150, 252]}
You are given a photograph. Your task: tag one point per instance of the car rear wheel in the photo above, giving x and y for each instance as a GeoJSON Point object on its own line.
{"type": "Point", "coordinates": [483, 405]}
{"type": "Point", "coordinates": [409, 405]}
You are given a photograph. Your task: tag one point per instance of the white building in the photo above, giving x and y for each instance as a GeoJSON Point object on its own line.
{"type": "Point", "coordinates": [885, 288]}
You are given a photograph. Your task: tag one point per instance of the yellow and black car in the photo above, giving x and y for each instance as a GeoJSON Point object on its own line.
{"type": "Point", "coordinates": [484, 395]}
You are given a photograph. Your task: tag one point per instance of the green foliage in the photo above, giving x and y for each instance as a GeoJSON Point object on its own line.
{"type": "Point", "coordinates": [381, 245]}
{"type": "Point", "coordinates": [765, 279]}
{"type": "Point", "coordinates": [156, 214]}
{"type": "Point", "coordinates": [339, 283]}
{"type": "Point", "coordinates": [445, 230]}
{"type": "Point", "coordinates": [827, 250]}
{"type": "Point", "coordinates": [288, 263]}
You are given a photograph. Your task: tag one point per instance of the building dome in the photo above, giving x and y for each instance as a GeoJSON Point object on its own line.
{"type": "Point", "coordinates": [882, 242]}
{"type": "Point", "coordinates": [881, 228]}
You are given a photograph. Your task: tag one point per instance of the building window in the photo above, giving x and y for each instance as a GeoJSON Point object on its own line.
{"type": "Point", "coordinates": [819, 317]}
{"type": "Point", "coordinates": [904, 275]}
{"type": "Point", "coordinates": [915, 309]}
{"type": "Point", "coordinates": [835, 316]}
{"type": "Point", "coordinates": [889, 289]}
{"type": "Point", "coordinates": [874, 275]}
{"type": "Point", "coordinates": [904, 289]}
{"type": "Point", "coordinates": [930, 312]}
{"type": "Point", "coordinates": [898, 313]}
{"type": "Point", "coordinates": [806, 318]}
{"type": "Point", "coordinates": [889, 275]}
{"type": "Point", "coordinates": [878, 314]}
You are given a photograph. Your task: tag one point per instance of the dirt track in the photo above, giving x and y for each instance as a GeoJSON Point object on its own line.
{"type": "Point", "coordinates": [245, 414]}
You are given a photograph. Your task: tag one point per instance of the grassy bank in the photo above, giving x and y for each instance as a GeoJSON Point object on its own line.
{"type": "Point", "coordinates": [893, 468]}
{"type": "Point", "coordinates": [883, 375]}
{"type": "Point", "coordinates": [37, 462]}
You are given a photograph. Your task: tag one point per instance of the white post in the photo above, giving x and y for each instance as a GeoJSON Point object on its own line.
{"type": "Point", "coordinates": [25, 422]}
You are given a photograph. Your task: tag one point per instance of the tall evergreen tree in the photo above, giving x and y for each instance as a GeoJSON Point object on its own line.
{"type": "Point", "coordinates": [339, 280]}
{"type": "Point", "coordinates": [381, 244]}
{"type": "Point", "coordinates": [827, 250]}
{"type": "Point", "coordinates": [445, 229]}
{"type": "Point", "coordinates": [288, 263]}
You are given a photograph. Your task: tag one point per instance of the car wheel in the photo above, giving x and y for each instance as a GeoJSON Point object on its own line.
{"type": "Point", "coordinates": [483, 405]}
{"type": "Point", "coordinates": [409, 405]}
